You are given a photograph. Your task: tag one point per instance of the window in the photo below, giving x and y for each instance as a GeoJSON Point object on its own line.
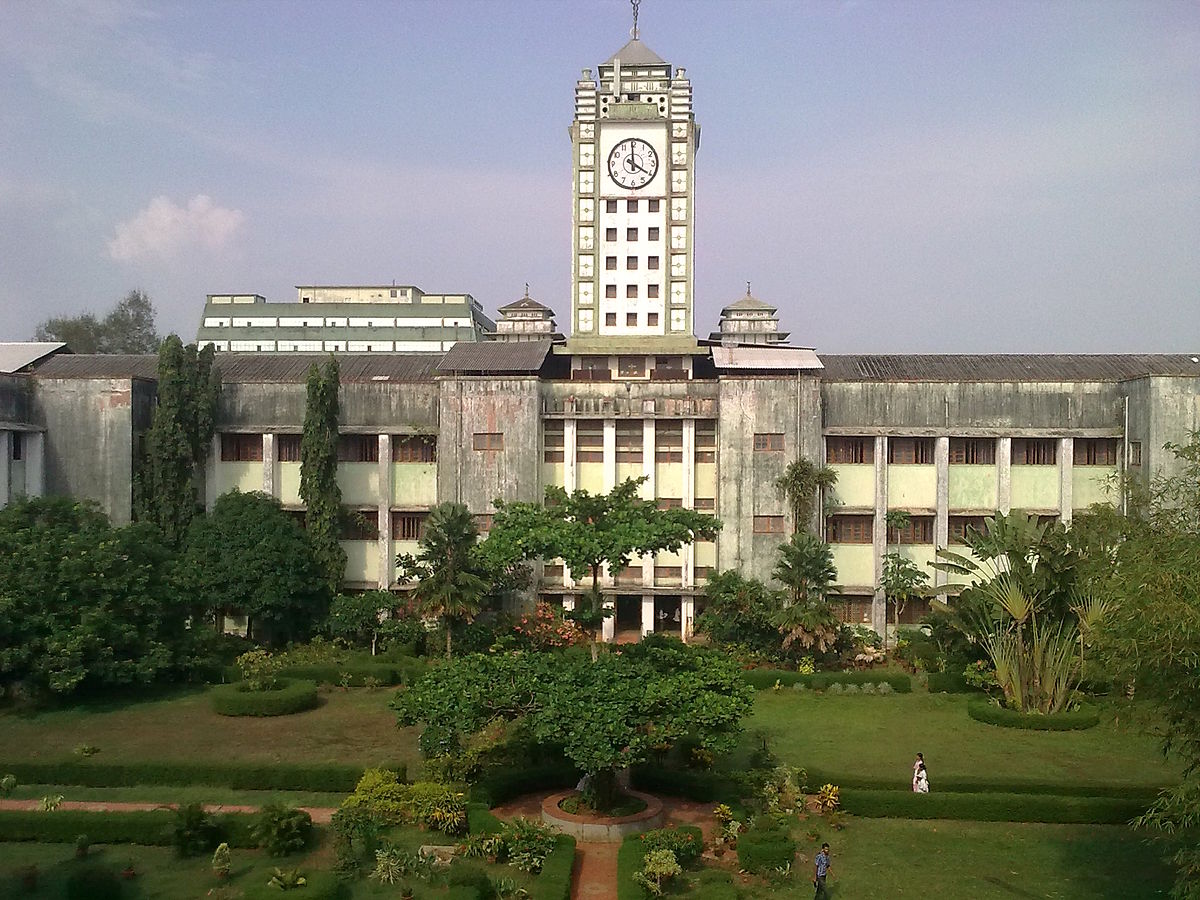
{"type": "Point", "coordinates": [589, 441]}
{"type": "Point", "coordinates": [629, 575]}
{"type": "Point", "coordinates": [610, 263]}
{"type": "Point", "coordinates": [610, 206]}
{"type": "Point", "coordinates": [1095, 451]}
{"type": "Point", "coordinates": [652, 233]}
{"type": "Point", "coordinates": [668, 574]}
{"type": "Point", "coordinates": [706, 443]}
{"type": "Point", "coordinates": [652, 206]}
{"type": "Point", "coordinates": [1034, 452]}
{"type": "Point", "coordinates": [769, 443]}
{"type": "Point", "coordinates": [668, 441]}
{"type": "Point", "coordinates": [850, 529]}
{"type": "Point", "coordinates": [631, 234]}
{"type": "Point", "coordinates": [287, 447]}
{"type": "Point", "coordinates": [631, 206]}
{"type": "Point", "coordinates": [669, 502]}
{"type": "Point", "coordinates": [652, 291]}
{"type": "Point", "coordinates": [483, 522]}
{"type": "Point", "coordinates": [706, 504]}
{"type": "Point", "coordinates": [610, 291]}
{"type": "Point", "coordinates": [919, 530]}
{"type": "Point", "coordinates": [703, 572]}
{"type": "Point", "coordinates": [610, 318]}
{"type": "Point", "coordinates": [415, 448]}
{"type": "Point", "coordinates": [769, 525]}
{"type": "Point", "coordinates": [554, 441]}
{"type": "Point", "coordinates": [910, 451]}
{"type": "Point", "coordinates": [18, 448]}
{"type": "Point", "coordinates": [241, 448]}
{"type": "Point", "coordinates": [849, 450]}
{"type": "Point", "coordinates": [629, 441]}
{"type": "Point", "coordinates": [960, 524]}
{"type": "Point", "coordinates": [972, 451]}
{"type": "Point", "coordinates": [631, 319]}
{"type": "Point", "coordinates": [631, 291]}
{"type": "Point", "coordinates": [651, 319]}
{"type": "Point", "coordinates": [632, 367]}
{"type": "Point", "coordinates": [358, 448]}
{"type": "Point", "coordinates": [553, 572]}
{"type": "Point", "coordinates": [488, 440]}
{"type": "Point", "coordinates": [1135, 453]}
{"type": "Point", "coordinates": [360, 525]}
{"type": "Point", "coordinates": [408, 526]}
{"type": "Point", "coordinates": [651, 262]}
{"type": "Point", "coordinates": [853, 608]}
{"type": "Point", "coordinates": [631, 262]}
{"type": "Point", "coordinates": [610, 234]}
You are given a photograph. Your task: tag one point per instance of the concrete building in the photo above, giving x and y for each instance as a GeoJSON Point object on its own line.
{"type": "Point", "coordinates": [343, 318]}
{"type": "Point", "coordinates": [948, 439]}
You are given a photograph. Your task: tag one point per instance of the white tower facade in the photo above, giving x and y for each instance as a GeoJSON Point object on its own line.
{"type": "Point", "coordinates": [634, 141]}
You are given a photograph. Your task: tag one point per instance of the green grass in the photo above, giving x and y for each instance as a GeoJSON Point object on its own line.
{"type": "Point", "coordinates": [179, 794]}
{"type": "Point", "coordinates": [877, 737]}
{"type": "Point", "coordinates": [353, 727]}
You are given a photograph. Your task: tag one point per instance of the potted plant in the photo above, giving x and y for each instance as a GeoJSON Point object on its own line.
{"type": "Point", "coordinates": [221, 861]}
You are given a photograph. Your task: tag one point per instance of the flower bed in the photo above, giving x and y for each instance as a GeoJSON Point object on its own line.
{"type": "Point", "coordinates": [285, 698]}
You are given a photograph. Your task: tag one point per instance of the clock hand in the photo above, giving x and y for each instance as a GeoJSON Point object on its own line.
{"type": "Point", "coordinates": [635, 166]}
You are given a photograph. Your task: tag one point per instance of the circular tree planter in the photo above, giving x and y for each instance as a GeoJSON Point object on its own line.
{"type": "Point", "coordinates": [990, 714]}
{"type": "Point", "coordinates": [286, 697]}
{"type": "Point", "coordinates": [602, 829]}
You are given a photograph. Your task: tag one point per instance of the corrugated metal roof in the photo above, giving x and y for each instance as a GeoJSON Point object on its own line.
{"type": "Point", "coordinates": [89, 365]}
{"type": "Point", "coordinates": [281, 368]}
{"type": "Point", "coordinates": [496, 357]}
{"type": "Point", "coordinates": [1007, 367]}
{"type": "Point", "coordinates": [16, 355]}
{"type": "Point", "coordinates": [761, 357]}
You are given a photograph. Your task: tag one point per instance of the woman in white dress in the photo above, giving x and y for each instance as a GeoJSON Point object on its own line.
{"type": "Point", "coordinates": [921, 785]}
{"type": "Point", "coordinates": [918, 763]}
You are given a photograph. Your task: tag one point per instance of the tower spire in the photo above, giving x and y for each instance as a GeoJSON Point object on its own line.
{"type": "Point", "coordinates": [635, 4]}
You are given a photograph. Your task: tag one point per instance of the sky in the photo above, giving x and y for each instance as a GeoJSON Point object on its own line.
{"type": "Point", "coordinates": [928, 176]}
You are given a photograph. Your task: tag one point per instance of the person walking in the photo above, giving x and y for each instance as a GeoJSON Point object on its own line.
{"type": "Point", "coordinates": [820, 871]}
{"type": "Point", "coordinates": [921, 786]}
{"type": "Point", "coordinates": [918, 765]}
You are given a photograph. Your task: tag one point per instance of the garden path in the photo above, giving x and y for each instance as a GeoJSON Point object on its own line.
{"type": "Point", "coordinates": [320, 815]}
{"type": "Point", "coordinates": [595, 874]}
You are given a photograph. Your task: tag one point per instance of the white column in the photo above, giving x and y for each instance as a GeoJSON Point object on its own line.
{"type": "Point", "coordinates": [384, 511]}
{"type": "Point", "coordinates": [570, 455]}
{"type": "Point", "coordinates": [687, 611]}
{"type": "Point", "coordinates": [1066, 483]}
{"type": "Point", "coordinates": [941, 521]}
{"type": "Point", "coordinates": [879, 534]}
{"type": "Point", "coordinates": [1004, 474]}
{"type": "Point", "coordinates": [6, 445]}
{"type": "Point", "coordinates": [648, 491]}
{"type": "Point", "coordinates": [35, 463]}
{"type": "Point", "coordinates": [609, 629]}
{"type": "Point", "coordinates": [647, 614]}
{"type": "Point", "coordinates": [269, 480]}
{"type": "Point", "coordinates": [688, 551]}
{"type": "Point", "coordinates": [610, 454]}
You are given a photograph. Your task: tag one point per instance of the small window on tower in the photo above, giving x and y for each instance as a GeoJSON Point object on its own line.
{"type": "Point", "coordinates": [631, 291]}
{"type": "Point", "coordinates": [651, 262]}
{"type": "Point", "coordinates": [652, 233]}
{"type": "Point", "coordinates": [652, 319]}
{"type": "Point", "coordinates": [610, 262]}
{"type": "Point", "coordinates": [631, 206]}
{"type": "Point", "coordinates": [631, 320]}
{"type": "Point", "coordinates": [631, 262]}
{"type": "Point", "coordinates": [610, 318]}
{"type": "Point", "coordinates": [631, 234]}
{"type": "Point", "coordinates": [610, 234]}
{"type": "Point", "coordinates": [610, 206]}
{"type": "Point", "coordinates": [652, 206]}
{"type": "Point", "coordinates": [610, 291]}
{"type": "Point", "coordinates": [652, 291]}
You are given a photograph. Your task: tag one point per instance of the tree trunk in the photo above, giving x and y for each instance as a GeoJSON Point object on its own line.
{"type": "Point", "coordinates": [604, 790]}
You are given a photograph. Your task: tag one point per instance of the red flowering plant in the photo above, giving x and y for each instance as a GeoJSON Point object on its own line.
{"type": "Point", "coordinates": [546, 629]}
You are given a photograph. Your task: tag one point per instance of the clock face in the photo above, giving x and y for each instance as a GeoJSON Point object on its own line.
{"type": "Point", "coordinates": [632, 163]}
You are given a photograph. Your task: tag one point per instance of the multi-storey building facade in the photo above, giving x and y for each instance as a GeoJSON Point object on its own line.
{"type": "Point", "coordinates": [632, 393]}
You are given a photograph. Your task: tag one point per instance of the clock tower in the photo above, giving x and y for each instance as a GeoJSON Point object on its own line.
{"type": "Point", "coordinates": [634, 140]}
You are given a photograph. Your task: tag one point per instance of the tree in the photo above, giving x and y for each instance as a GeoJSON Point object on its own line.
{"type": "Point", "coordinates": [800, 484]}
{"type": "Point", "coordinates": [249, 557]}
{"type": "Point", "coordinates": [356, 619]}
{"type": "Point", "coordinates": [1149, 571]}
{"type": "Point", "coordinates": [740, 611]}
{"type": "Point", "coordinates": [591, 531]}
{"type": "Point", "coordinates": [128, 328]}
{"type": "Point", "coordinates": [83, 603]}
{"type": "Point", "coordinates": [318, 472]}
{"type": "Point", "coordinates": [806, 570]}
{"type": "Point", "coordinates": [902, 580]}
{"type": "Point", "coordinates": [450, 578]}
{"type": "Point", "coordinates": [177, 442]}
{"type": "Point", "coordinates": [605, 714]}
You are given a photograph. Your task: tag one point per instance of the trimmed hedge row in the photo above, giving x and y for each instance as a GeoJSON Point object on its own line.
{"type": "Point", "coordinates": [762, 850]}
{"type": "Point", "coordinates": [990, 714]}
{"type": "Point", "coordinates": [554, 881]}
{"type": "Point", "coordinates": [629, 862]}
{"type": "Point", "coordinates": [287, 697]}
{"type": "Point", "coordinates": [991, 807]}
{"type": "Point", "coordinates": [761, 679]}
{"type": "Point", "coordinates": [949, 683]}
{"type": "Point", "coordinates": [151, 827]}
{"type": "Point", "coordinates": [481, 821]}
{"type": "Point", "coordinates": [385, 673]}
{"type": "Point", "coordinates": [969, 784]}
{"type": "Point", "coordinates": [500, 787]}
{"type": "Point", "coordinates": [331, 777]}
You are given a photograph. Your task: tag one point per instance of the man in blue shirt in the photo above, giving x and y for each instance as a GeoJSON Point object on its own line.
{"type": "Point", "coordinates": [820, 870]}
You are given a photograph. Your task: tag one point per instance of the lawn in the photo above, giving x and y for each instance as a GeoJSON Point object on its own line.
{"type": "Point", "coordinates": [878, 736]}
{"type": "Point", "coordinates": [354, 726]}
{"type": "Point", "coordinates": [179, 794]}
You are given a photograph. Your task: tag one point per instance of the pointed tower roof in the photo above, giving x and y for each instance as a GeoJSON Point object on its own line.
{"type": "Point", "coordinates": [748, 303]}
{"type": "Point", "coordinates": [635, 53]}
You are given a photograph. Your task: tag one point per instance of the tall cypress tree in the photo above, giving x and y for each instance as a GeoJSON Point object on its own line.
{"type": "Point", "coordinates": [318, 471]}
{"type": "Point", "coordinates": [176, 444]}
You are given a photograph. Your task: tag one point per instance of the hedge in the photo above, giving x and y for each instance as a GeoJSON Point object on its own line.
{"type": "Point", "coordinates": [481, 821]}
{"type": "Point", "coordinates": [950, 683]}
{"type": "Point", "coordinates": [319, 885]}
{"type": "Point", "coordinates": [762, 679]}
{"type": "Point", "coordinates": [969, 784]}
{"type": "Point", "coordinates": [701, 787]}
{"type": "Point", "coordinates": [554, 881]}
{"type": "Point", "coordinates": [499, 787]}
{"type": "Point", "coordinates": [992, 807]}
{"type": "Point", "coordinates": [289, 696]}
{"type": "Point", "coordinates": [332, 777]}
{"type": "Point", "coordinates": [990, 714]}
{"type": "Point", "coordinates": [385, 673]}
{"type": "Point", "coordinates": [765, 850]}
{"type": "Point", "coordinates": [630, 858]}
{"type": "Point", "coordinates": [149, 827]}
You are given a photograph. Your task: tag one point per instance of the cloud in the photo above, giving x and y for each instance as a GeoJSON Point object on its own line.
{"type": "Point", "coordinates": [164, 229]}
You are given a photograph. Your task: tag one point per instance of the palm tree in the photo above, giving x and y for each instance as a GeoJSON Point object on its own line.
{"type": "Point", "coordinates": [800, 484]}
{"type": "Point", "coordinates": [806, 570]}
{"type": "Point", "coordinates": [449, 585]}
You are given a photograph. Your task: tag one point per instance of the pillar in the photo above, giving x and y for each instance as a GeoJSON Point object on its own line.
{"type": "Point", "coordinates": [6, 447]}
{"type": "Point", "coordinates": [1066, 483]}
{"type": "Point", "coordinates": [270, 483]}
{"type": "Point", "coordinates": [941, 520]}
{"type": "Point", "coordinates": [210, 473]}
{"type": "Point", "coordinates": [384, 511]}
{"type": "Point", "coordinates": [35, 463]}
{"type": "Point", "coordinates": [1004, 474]}
{"type": "Point", "coordinates": [647, 614]}
{"type": "Point", "coordinates": [879, 534]}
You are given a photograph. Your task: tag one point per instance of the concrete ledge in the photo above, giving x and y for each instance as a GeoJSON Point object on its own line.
{"type": "Point", "coordinates": [595, 829]}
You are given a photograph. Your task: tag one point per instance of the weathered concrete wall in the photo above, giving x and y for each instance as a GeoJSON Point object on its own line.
{"type": "Point", "coordinates": [380, 408]}
{"type": "Point", "coordinates": [89, 439]}
{"type": "Point", "coordinates": [931, 408]}
{"type": "Point", "coordinates": [507, 406]}
{"type": "Point", "coordinates": [748, 406]}
{"type": "Point", "coordinates": [14, 399]}
{"type": "Point", "coordinates": [1162, 408]}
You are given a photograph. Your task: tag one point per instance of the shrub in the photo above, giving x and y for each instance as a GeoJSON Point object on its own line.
{"type": "Point", "coordinates": [501, 786]}
{"type": "Point", "coordinates": [93, 883]}
{"type": "Point", "coordinates": [762, 850]}
{"type": "Point", "coordinates": [283, 699]}
{"type": "Point", "coordinates": [762, 679]}
{"type": "Point", "coordinates": [685, 842]}
{"type": "Point", "coordinates": [658, 868]}
{"type": "Point", "coordinates": [702, 787]}
{"type": "Point", "coordinates": [380, 793]}
{"type": "Point", "coordinates": [8, 784]}
{"type": "Point", "coordinates": [1076, 720]}
{"type": "Point", "coordinates": [193, 831]}
{"type": "Point", "coordinates": [221, 860]}
{"type": "Point", "coordinates": [828, 798]}
{"type": "Point", "coordinates": [949, 683]}
{"type": "Point", "coordinates": [280, 830]}
{"type": "Point", "coordinates": [528, 843]}
{"type": "Point", "coordinates": [258, 669]}
{"type": "Point", "coordinates": [318, 885]}
{"type": "Point", "coordinates": [554, 881]}
{"type": "Point", "coordinates": [152, 828]}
